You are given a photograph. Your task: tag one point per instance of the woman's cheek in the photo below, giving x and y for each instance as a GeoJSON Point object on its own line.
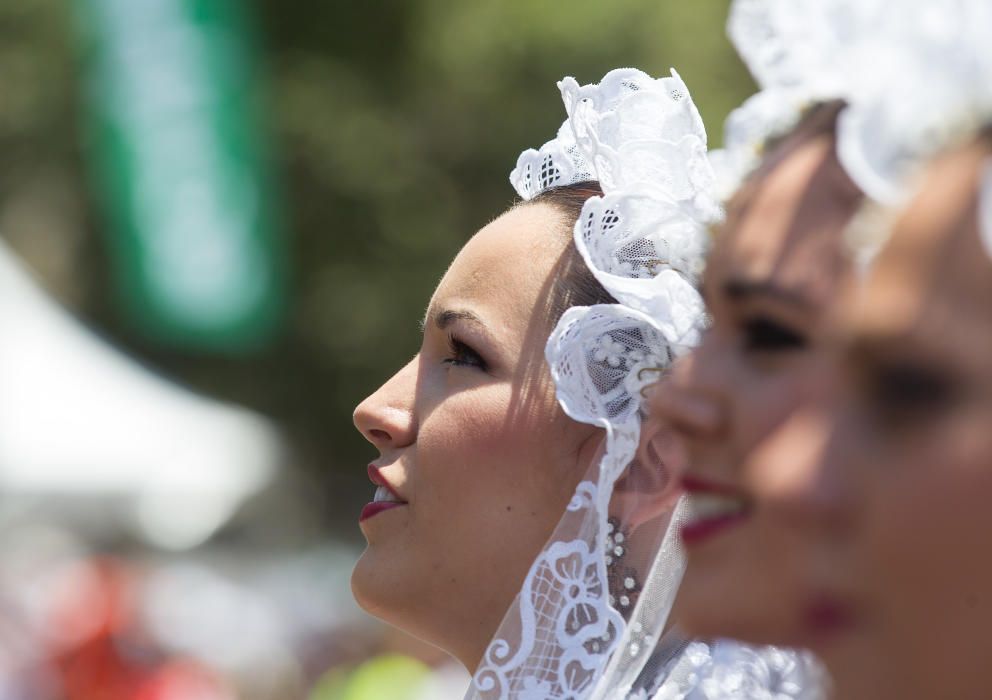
{"type": "Point", "coordinates": [461, 441]}
{"type": "Point", "coordinates": [766, 403]}
{"type": "Point", "coordinates": [490, 422]}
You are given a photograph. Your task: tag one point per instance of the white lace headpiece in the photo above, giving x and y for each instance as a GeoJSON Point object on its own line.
{"type": "Point", "coordinates": [912, 74]}
{"type": "Point", "coordinates": [579, 629]}
{"type": "Point", "coordinates": [643, 140]}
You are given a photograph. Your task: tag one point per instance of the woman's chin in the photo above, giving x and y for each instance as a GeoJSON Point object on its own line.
{"type": "Point", "coordinates": [372, 587]}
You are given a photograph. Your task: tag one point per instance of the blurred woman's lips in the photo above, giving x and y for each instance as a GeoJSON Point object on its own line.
{"type": "Point", "coordinates": [715, 508]}
{"type": "Point", "coordinates": [385, 498]}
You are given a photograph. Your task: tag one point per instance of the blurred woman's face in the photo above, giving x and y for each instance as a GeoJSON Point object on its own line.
{"type": "Point", "coordinates": [775, 268]}
{"type": "Point", "coordinates": [887, 473]}
{"type": "Point", "coordinates": [476, 460]}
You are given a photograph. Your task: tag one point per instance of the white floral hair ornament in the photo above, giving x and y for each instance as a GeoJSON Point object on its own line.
{"type": "Point", "coordinates": [644, 240]}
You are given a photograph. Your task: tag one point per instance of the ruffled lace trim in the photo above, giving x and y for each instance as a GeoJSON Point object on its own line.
{"type": "Point", "coordinates": [644, 141]}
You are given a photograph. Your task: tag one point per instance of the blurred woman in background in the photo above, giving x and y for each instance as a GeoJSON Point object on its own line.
{"type": "Point", "coordinates": [777, 264]}
{"type": "Point", "coordinates": [884, 475]}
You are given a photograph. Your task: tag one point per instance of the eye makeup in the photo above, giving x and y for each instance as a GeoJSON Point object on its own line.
{"type": "Point", "coordinates": [460, 354]}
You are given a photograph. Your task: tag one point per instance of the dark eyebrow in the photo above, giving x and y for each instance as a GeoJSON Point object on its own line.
{"type": "Point", "coordinates": [742, 290]}
{"type": "Point", "coordinates": [444, 318]}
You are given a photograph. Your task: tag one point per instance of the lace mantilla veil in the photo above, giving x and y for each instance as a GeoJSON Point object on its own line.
{"type": "Point", "coordinates": [590, 618]}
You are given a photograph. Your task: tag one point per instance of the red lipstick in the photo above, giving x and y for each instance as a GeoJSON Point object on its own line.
{"type": "Point", "coordinates": [701, 530]}
{"type": "Point", "coordinates": [380, 503]}
{"type": "Point", "coordinates": [719, 507]}
{"type": "Point", "coordinates": [371, 509]}
{"type": "Point", "coordinates": [695, 484]}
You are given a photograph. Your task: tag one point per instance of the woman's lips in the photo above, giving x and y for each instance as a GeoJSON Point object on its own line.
{"type": "Point", "coordinates": [372, 509]}
{"type": "Point", "coordinates": [701, 530]}
{"type": "Point", "coordinates": [376, 477]}
{"type": "Point", "coordinates": [386, 497]}
{"type": "Point", "coordinates": [716, 508]}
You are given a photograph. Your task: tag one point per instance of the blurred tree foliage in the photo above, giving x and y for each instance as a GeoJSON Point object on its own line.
{"type": "Point", "coordinates": [394, 125]}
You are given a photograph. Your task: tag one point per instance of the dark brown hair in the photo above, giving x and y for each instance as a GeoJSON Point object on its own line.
{"type": "Point", "coordinates": [573, 284]}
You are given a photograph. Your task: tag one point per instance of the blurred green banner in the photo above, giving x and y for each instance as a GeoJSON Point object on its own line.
{"type": "Point", "coordinates": [179, 160]}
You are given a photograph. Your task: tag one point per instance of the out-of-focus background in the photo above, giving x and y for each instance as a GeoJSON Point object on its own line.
{"type": "Point", "coordinates": [220, 222]}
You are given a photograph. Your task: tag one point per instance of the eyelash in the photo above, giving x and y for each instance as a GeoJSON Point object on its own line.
{"type": "Point", "coordinates": [762, 334]}
{"type": "Point", "coordinates": [463, 356]}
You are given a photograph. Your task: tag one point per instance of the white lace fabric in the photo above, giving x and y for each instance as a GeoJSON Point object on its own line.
{"type": "Point", "coordinates": [643, 141]}
{"type": "Point", "coordinates": [595, 603]}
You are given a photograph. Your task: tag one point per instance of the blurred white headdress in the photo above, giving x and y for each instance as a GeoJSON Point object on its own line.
{"type": "Point", "coordinates": [912, 74]}
{"type": "Point", "coordinates": [594, 605]}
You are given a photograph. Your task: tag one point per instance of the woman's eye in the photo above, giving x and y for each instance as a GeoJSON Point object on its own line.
{"type": "Point", "coordinates": [902, 392]}
{"type": "Point", "coordinates": [766, 335]}
{"type": "Point", "coordinates": [461, 355]}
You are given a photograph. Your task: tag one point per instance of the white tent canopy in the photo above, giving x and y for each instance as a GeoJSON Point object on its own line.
{"type": "Point", "coordinates": [78, 419]}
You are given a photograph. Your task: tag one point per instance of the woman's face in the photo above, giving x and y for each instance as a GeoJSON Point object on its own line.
{"type": "Point", "coordinates": [775, 268]}
{"type": "Point", "coordinates": [472, 442]}
{"type": "Point", "coordinates": [886, 474]}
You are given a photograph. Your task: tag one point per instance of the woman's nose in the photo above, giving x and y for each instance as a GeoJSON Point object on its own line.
{"type": "Point", "coordinates": [686, 403]}
{"type": "Point", "coordinates": [386, 418]}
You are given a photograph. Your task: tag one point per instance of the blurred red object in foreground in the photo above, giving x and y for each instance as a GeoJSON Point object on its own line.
{"type": "Point", "coordinates": [100, 651]}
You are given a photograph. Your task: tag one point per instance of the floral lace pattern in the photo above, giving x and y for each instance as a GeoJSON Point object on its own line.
{"type": "Point", "coordinates": [643, 140]}
{"type": "Point", "coordinates": [567, 625]}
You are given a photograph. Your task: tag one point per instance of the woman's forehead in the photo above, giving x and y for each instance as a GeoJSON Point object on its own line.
{"type": "Point", "coordinates": [505, 268]}
{"type": "Point", "coordinates": [786, 230]}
